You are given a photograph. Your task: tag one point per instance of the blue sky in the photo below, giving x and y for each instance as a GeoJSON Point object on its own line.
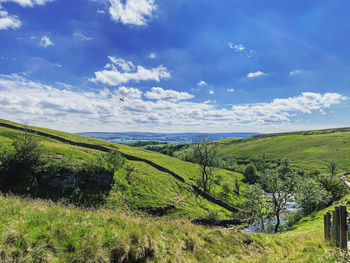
{"type": "Point", "coordinates": [178, 66]}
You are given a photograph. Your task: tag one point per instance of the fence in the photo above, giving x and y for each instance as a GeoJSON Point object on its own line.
{"type": "Point", "coordinates": [336, 227]}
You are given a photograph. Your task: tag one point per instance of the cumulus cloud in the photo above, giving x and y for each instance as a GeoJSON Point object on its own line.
{"type": "Point", "coordinates": [120, 71]}
{"type": "Point", "coordinates": [28, 3]}
{"type": "Point", "coordinates": [45, 42]}
{"type": "Point", "coordinates": [202, 83]}
{"type": "Point", "coordinates": [152, 55]}
{"type": "Point", "coordinates": [21, 98]}
{"type": "Point", "coordinates": [158, 93]}
{"type": "Point", "coordinates": [295, 72]}
{"type": "Point", "coordinates": [230, 90]}
{"type": "Point", "coordinates": [132, 12]}
{"type": "Point", "coordinates": [256, 74]}
{"type": "Point", "coordinates": [8, 21]}
{"type": "Point", "coordinates": [211, 92]}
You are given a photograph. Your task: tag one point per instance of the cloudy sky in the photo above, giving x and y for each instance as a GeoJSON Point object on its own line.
{"type": "Point", "coordinates": [175, 66]}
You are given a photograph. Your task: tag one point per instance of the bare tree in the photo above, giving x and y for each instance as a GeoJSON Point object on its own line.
{"type": "Point", "coordinates": [205, 154]}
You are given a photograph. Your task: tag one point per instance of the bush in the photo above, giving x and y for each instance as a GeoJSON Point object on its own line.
{"type": "Point", "coordinates": [251, 174]}
{"type": "Point", "coordinates": [311, 196]}
{"type": "Point", "coordinates": [333, 185]}
{"type": "Point", "coordinates": [19, 169]}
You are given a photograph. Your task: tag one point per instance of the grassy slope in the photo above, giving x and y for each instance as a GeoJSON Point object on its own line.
{"type": "Point", "coordinates": [36, 231]}
{"type": "Point", "coordinates": [147, 188]}
{"type": "Point", "coordinates": [309, 150]}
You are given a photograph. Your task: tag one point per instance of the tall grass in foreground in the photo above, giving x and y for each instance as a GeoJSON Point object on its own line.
{"type": "Point", "coordinates": [37, 231]}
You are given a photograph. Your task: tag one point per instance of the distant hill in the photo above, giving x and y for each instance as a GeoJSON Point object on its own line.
{"type": "Point", "coordinates": [177, 138]}
{"type": "Point", "coordinates": [311, 150]}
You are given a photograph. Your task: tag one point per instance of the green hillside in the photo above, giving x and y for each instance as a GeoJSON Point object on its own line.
{"type": "Point", "coordinates": [309, 150]}
{"type": "Point", "coordinates": [37, 231]}
{"type": "Point", "coordinates": [140, 187]}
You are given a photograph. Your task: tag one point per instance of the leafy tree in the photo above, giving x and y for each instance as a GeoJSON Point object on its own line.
{"type": "Point", "coordinates": [205, 155]}
{"type": "Point", "coordinates": [258, 204]}
{"type": "Point", "coordinates": [19, 169]}
{"type": "Point", "coordinates": [284, 168]}
{"type": "Point", "coordinates": [281, 186]}
{"type": "Point", "coordinates": [332, 185]}
{"type": "Point", "coordinates": [251, 174]}
{"type": "Point", "coordinates": [311, 195]}
{"type": "Point", "coordinates": [332, 168]}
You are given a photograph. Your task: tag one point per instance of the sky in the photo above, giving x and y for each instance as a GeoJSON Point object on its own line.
{"type": "Point", "coordinates": [175, 66]}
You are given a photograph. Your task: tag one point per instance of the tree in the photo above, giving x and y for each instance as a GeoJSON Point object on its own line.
{"type": "Point", "coordinates": [205, 155]}
{"type": "Point", "coordinates": [311, 196]}
{"type": "Point", "coordinates": [251, 174]}
{"type": "Point", "coordinates": [258, 204]}
{"type": "Point", "coordinates": [332, 168]}
{"type": "Point", "coordinates": [20, 168]}
{"type": "Point", "coordinates": [281, 186]}
{"type": "Point", "coordinates": [332, 185]}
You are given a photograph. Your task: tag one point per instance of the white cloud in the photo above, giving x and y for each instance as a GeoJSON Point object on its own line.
{"type": "Point", "coordinates": [120, 71]}
{"type": "Point", "coordinates": [81, 36]}
{"type": "Point", "coordinates": [230, 90]}
{"type": "Point", "coordinates": [236, 47]}
{"type": "Point", "coordinates": [132, 12]}
{"type": "Point", "coordinates": [152, 55]}
{"type": "Point", "coordinates": [211, 92]}
{"type": "Point", "coordinates": [45, 42]}
{"type": "Point", "coordinates": [158, 93]}
{"type": "Point", "coordinates": [295, 72]}
{"type": "Point", "coordinates": [28, 3]}
{"type": "Point", "coordinates": [202, 83]}
{"type": "Point", "coordinates": [71, 108]}
{"type": "Point", "coordinates": [99, 11]}
{"type": "Point", "coordinates": [256, 74]}
{"type": "Point", "coordinates": [8, 21]}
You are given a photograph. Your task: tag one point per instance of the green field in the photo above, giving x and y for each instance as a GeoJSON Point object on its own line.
{"type": "Point", "coordinates": [311, 150]}
{"type": "Point", "coordinates": [147, 189]}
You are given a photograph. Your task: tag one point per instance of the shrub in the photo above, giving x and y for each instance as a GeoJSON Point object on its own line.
{"type": "Point", "coordinates": [311, 195]}
{"type": "Point", "coordinates": [251, 174]}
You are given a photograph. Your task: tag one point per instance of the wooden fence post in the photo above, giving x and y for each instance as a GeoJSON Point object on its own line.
{"type": "Point", "coordinates": [337, 226]}
{"type": "Point", "coordinates": [333, 226]}
{"type": "Point", "coordinates": [327, 226]}
{"type": "Point", "coordinates": [343, 228]}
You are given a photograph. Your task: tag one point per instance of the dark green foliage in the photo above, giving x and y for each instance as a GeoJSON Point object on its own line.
{"type": "Point", "coordinates": [19, 169]}
{"type": "Point", "coordinates": [145, 143]}
{"type": "Point", "coordinates": [332, 168]}
{"type": "Point", "coordinates": [333, 186]}
{"type": "Point", "coordinates": [25, 171]}
{"type": "Point", "coordinates": [251, 174]}
{"type": "Point", "coordinates": [311, 195]}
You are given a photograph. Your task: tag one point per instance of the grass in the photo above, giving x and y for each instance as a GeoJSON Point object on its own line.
{"type": "Point", "coordinates": [42, 231]}
{"type": "Point", "coordinates": [308, 150]}
{"type": "Point", "coordinates": [38, 231]}
{"type": "Point", "coordinates": [145, 189]}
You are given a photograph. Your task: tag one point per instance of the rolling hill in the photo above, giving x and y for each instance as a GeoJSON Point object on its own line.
{"type": "Point", "coordinates": [158, 185]}
{"type": "Point", "coordinates": [311, 150]}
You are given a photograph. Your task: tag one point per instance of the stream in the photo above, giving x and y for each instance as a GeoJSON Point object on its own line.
{"type": "Point", "coordinates": [291, 206]}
